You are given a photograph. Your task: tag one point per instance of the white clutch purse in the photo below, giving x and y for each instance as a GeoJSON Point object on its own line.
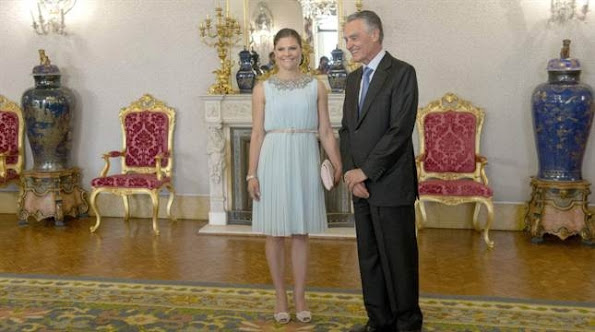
{"type": "Point", "coordinates": [327, 174]}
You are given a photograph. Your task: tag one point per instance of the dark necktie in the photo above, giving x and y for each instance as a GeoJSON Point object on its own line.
{"type": "Point", "coordinates": [365, 84]}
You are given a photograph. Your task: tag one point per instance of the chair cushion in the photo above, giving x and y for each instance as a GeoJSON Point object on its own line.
{"type": "Point", "coordinates": [10, 175]}
{"type": "Point", "coordinates": [450, 142]}
{"type": "Point", "coordinates": [454, 188]}
{"type": "Point", "coordinates": [148, 181]}
{"type": "Point", "coordinates": [9, 136]}
{"type": "Point", "coordinates": [146, 136]}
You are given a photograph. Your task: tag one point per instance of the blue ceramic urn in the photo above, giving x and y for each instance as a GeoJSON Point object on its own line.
{"type": "Point", "coordinates": [48, 109]}
{"type": "Point", "coordinates": [337, 76]}
{"type": "Point", "coordinates": [563, 111]}
{"type": "Point", "coordinates": [246, 75]}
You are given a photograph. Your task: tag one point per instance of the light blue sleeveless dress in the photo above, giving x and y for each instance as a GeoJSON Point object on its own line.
{"type": "Point", "coordinates": [291, 193]}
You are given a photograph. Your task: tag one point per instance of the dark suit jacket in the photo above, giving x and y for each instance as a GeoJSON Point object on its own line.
{"type": "Point", "coordinates": [379, 141]}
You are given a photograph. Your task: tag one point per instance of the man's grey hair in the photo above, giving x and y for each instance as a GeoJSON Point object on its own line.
{"type": "Point", "coordinates": [371, 19]}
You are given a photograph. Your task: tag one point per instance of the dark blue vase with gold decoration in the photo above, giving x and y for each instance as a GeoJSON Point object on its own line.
{"type": "Point", "coordinates": [337, 76]}
{"type": "Point", "coordinates": [563, 110]}
{"type": "Point", "coordinates": [48, 109]}
{"type": "Point", "coordinates": [246, 75]}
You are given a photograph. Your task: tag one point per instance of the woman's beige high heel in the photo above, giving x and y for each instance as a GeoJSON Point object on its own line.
{"type": "Point", "coordinates": [282, 317]}
{"type": "Point", "coordinates": [304, 316]}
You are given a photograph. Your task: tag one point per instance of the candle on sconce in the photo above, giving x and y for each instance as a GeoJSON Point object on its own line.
{"type": "Point", "coordinates": [39, 13]}
{"type": "Point", "coordinates": [340, 21]}
{"type": "Point", "coordinates": [32, 18]}
{"type": "Point", "coordinates": [245, 7]}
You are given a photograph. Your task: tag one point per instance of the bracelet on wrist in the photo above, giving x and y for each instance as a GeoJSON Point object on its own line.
{"type": "Point", "coordinates": [250, 177]}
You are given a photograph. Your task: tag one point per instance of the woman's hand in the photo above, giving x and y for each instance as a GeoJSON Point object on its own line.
{"type": "Point", "coordinates": [254, 189]}
{"type": "Point", "coordinates": [338, 176]}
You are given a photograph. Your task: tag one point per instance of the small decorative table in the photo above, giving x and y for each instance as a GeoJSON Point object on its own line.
{"type": "Point", "coordinates": [53, 194]}
{"type": "Point", "coordinates": [560, 208]}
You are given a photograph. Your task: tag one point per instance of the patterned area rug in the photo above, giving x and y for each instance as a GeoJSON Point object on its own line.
{"type": "Point", "coordinates": [33, 303]}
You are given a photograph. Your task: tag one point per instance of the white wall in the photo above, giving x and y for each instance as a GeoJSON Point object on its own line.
{"type": "Point", "coordinates": [491, 52]}
{"type": "Point", "coordinates": [115, 52]}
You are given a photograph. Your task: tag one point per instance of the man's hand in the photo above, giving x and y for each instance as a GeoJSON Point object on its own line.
{"type": "Point", "coordinates": [354, 177]}
{"type": "Point", "coordinates": [360, 190]}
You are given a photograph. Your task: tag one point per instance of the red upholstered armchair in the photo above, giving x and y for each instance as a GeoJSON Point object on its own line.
{"type": "Point", "coordinates": [449, 168]}
{"type": "Point", "coordinates": [11, 142]}
{"type": "Point", "coordinates": [147, 157]}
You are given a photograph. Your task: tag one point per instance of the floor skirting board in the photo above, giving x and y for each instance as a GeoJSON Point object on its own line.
{"type": "Point", "coordinates": [507, 215]}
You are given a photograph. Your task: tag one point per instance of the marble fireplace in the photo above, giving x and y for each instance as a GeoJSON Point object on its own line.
{"type": "Point", "coordinates": [229, 121]}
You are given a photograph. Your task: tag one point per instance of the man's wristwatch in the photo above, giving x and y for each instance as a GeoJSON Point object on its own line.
{"type": "Point", "coordinates": [250, 177]}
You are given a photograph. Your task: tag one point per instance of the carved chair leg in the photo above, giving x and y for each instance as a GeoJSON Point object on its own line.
{"type": "Point", "coordinates": [476, 216]}
{"type": "Point", "coordinates": [155, 199]}
{"type": "Point", "coordinates": [126, 207]}
{"type": "Point", "coordinates": [170, 202]}
{"type": "Point", "coordinates": [490, 206]}
{"type": "Point", "coordinates": [92, 201]}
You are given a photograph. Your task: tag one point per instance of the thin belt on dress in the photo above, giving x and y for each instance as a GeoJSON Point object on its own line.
{"type": "Point", "coordinates": [292, 131]}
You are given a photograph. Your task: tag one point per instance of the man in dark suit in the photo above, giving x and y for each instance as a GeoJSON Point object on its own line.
{"type": "Point", "coordinates": [379, 166]}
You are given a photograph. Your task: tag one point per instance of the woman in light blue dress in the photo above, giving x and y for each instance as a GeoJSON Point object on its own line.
{"type": "Point", "coordinates": [289, 114]}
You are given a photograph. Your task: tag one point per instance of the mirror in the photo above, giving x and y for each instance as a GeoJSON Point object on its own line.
{"type": "Point", "coordinates": [321, 30]}
{"type": "Point", "coordinates": [318, 21]}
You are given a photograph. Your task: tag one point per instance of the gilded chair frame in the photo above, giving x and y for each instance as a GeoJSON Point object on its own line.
{"type": "Point", "coordinates": [451, 102]}
{"type": "Point", "coordinates": [146, 103]}
{"type": "Point", "coordinates": [7, 105]}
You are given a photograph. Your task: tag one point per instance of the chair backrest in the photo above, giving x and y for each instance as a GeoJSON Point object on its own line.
{"type": "Point", "coordinates": [11, 134]}
{"type": "Point", "coordinates": [449, 133]}
{"type": "Point", "coordinates": [147, 126]}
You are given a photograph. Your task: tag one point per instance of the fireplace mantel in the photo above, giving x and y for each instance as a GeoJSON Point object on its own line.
{"type": "Point", "coordinates": [222, 113]}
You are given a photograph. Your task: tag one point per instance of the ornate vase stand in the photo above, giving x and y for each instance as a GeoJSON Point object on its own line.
{"type": "Point", "coordinates": [51, 195]}
{"type": "Point", "coordinates": [560, 208]}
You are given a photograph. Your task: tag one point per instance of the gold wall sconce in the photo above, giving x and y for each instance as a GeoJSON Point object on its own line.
{"type": "Point", "coordinates": [48, 15]}
{"type": "Point", "coordinates": [568, 10]}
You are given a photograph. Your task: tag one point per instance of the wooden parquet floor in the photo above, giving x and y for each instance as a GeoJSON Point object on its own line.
{"type": "Point", "coordinates": [454, 262]}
